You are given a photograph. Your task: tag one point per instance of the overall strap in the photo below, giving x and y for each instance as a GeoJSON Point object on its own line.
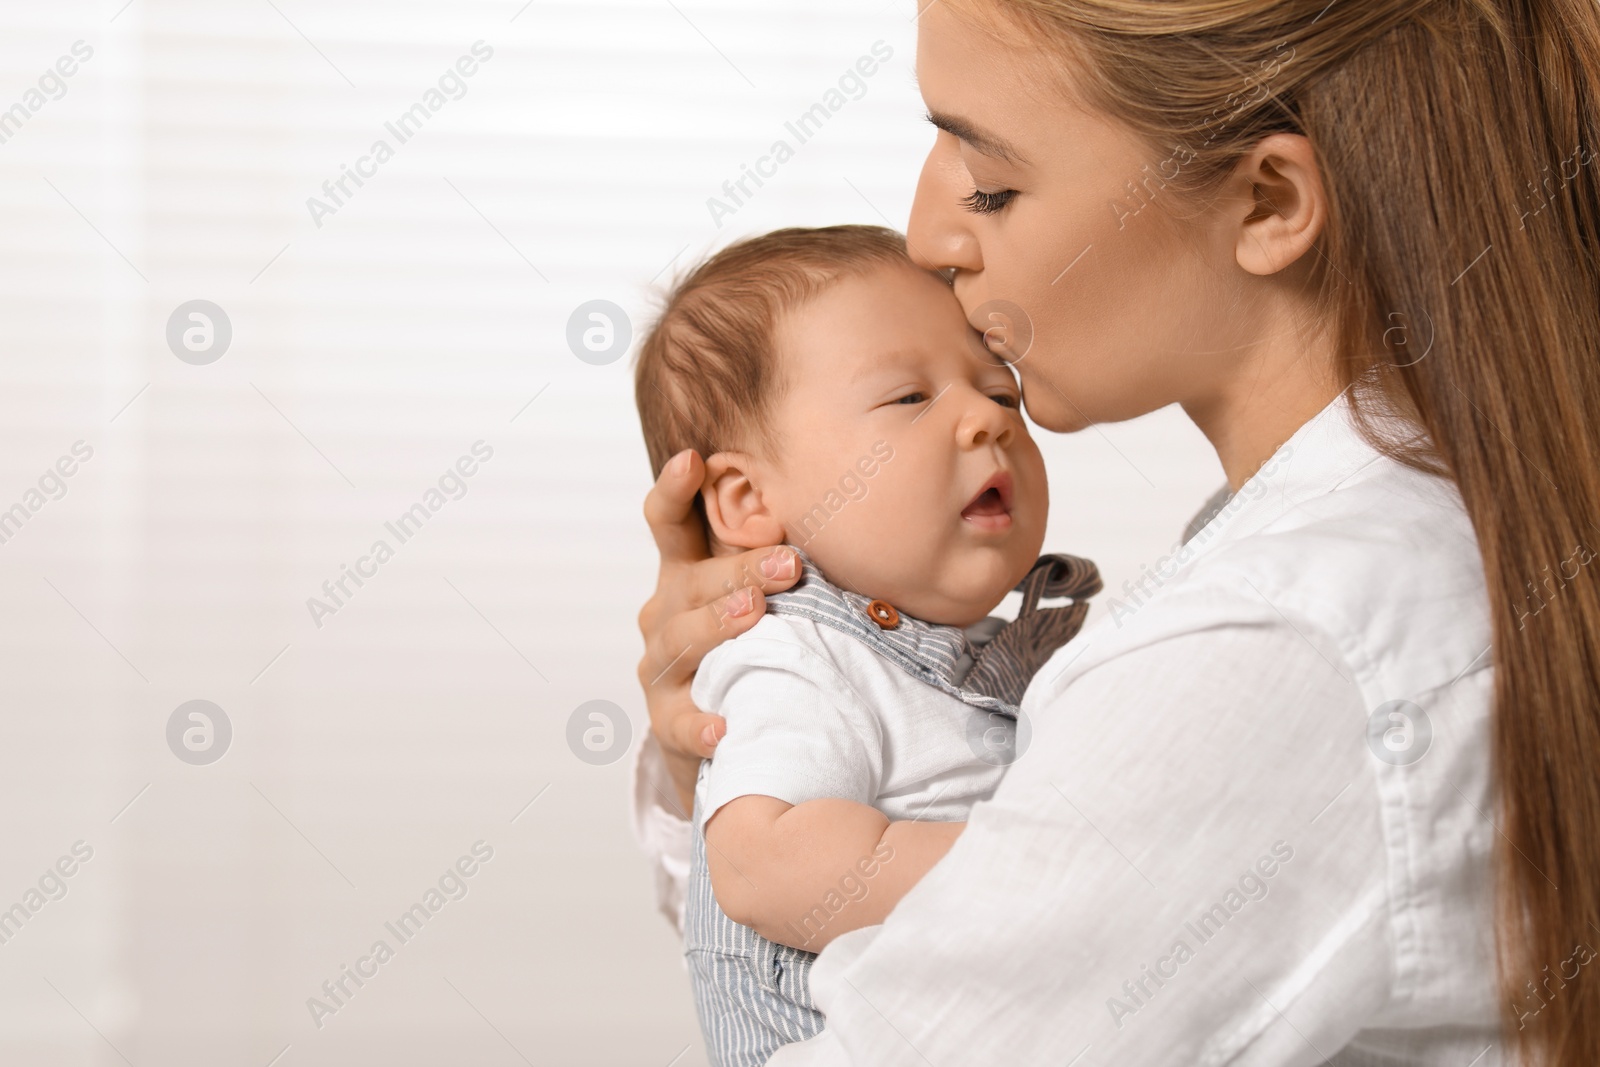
{"type": "Point", "coordinates": [1007, 663]}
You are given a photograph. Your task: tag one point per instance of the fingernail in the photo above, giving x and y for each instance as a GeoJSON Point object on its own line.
{"type": "Point", "coordinates": [679, 463]}
{"type": "Point", "coordinates": [708, 736]}
{"type": "Point", "coordinates": [779, 564]}
{"type": "Point", "coordinates": [740, 603]}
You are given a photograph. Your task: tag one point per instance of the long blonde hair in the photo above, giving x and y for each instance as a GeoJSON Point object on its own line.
{"type": "Point", "coordinates": [1461, 264]}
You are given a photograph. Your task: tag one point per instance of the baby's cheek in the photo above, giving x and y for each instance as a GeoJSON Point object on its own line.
{"type": "Point", "coordinates": [853, 487]}
{"type": "Point", "coordinates": [1036, 482]}
{"type": "Point", "coordinates": [1031, 539]}
{"type": "Point", "coordinates": [1037, 514]}
{"type": "Point", "coordinates": [868, 519]}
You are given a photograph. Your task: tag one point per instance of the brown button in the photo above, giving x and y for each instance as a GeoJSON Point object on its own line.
{"type": "Point", "coordinates": [883, 614]}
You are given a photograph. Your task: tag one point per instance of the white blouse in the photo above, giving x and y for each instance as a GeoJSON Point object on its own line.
{"type": "Point", "coordinates": [1252, 825]}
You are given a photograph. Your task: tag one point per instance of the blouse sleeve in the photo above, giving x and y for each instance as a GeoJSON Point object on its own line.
{"type": "Point", "coordinates": [661, 828]}
{"type": "Point", "coordinates": [1186, 865]}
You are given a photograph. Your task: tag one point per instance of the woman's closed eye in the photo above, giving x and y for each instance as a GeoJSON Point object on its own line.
{"type": "Point", "coordinates": [983, 203]}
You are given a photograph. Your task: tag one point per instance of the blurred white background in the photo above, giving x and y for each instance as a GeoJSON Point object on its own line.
{"type": "Point", "coordinates": [371, 348]}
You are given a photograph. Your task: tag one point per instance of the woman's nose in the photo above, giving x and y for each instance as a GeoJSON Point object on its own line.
{"type": "Point", "coordinates": [937, 235]}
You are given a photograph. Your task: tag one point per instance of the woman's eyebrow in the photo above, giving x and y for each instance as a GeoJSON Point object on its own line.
{"type": "Point", "coordinates": [987, 143]}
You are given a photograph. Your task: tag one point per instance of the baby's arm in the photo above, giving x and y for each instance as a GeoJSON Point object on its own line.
{"type": "Point", "coordinates": [802, 874]}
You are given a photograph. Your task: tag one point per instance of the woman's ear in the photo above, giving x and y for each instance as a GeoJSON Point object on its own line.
{"type": "Point", "coordinates": [735, 509]}
{"type": "Point", "coordinates": [1287, 207]}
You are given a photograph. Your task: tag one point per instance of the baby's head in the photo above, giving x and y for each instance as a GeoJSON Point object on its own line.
{"type": "Point", "coordinates": [843, 404]}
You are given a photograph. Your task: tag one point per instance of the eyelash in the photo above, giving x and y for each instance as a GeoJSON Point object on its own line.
{"type": "Point", "coordinates": [982, 203]}
{"type": "Point", "coordinates": [1005, 400]}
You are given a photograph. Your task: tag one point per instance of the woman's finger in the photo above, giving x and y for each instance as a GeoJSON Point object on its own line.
{"type": "Point", "coordinates": [696, 733]}
{"type": "Point", "coordinates": [682, 729]}
{"type": "Point", "coordinates": [685, 740]}
{"type": "Point", "coordinates": [674, 652]}
{"type": "Point", "coordinates": [679, 534]}
{"type": "Point", "coordinates": [769, 569]}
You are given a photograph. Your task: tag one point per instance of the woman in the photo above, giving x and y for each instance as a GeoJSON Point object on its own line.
{"type": "Point", "coordinates": [1327, 791]}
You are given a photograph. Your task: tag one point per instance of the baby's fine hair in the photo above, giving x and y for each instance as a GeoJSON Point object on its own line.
{"type": "Point", "coordinates": [706, 377]}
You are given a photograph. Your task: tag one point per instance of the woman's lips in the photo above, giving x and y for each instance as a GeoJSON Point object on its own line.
{"type": "Point", "coordinates": [990, 508]}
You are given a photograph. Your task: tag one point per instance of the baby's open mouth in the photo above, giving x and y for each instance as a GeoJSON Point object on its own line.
{"type": "Point", "coordinates": [991, 507]}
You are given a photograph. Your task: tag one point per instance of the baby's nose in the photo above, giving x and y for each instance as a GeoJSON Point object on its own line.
{"type": "Point", "coordinates": [985, 422]}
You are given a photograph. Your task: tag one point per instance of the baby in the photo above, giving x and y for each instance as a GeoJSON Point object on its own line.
{"type": "Point", "coordinates": [845, 407]}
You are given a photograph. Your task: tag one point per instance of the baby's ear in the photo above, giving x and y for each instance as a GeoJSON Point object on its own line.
{"type": "Point", "coordinates": [735, 509]}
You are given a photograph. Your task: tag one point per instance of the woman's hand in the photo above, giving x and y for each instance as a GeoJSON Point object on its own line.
{"type": "Point", "coordinates": [699, 602]}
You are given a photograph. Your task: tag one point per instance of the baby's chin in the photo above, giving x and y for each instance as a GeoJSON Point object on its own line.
{"type": "Point", "coordinates": [959, 604]}
{"type": "Point", "coordinates": [957, 587]}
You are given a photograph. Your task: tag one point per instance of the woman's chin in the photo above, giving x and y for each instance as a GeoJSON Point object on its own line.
{"type": "Point", "coordinates": [1053, 413]}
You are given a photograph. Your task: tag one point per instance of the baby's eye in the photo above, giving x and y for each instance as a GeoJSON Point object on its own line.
{"type": "Point", "coordinates": [1005, 400]}
{"type": "Point", "coordinates": [912, 398]}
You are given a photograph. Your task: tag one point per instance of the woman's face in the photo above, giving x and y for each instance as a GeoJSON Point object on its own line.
{"type": "Point", "coordinates": [1055, 214]}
